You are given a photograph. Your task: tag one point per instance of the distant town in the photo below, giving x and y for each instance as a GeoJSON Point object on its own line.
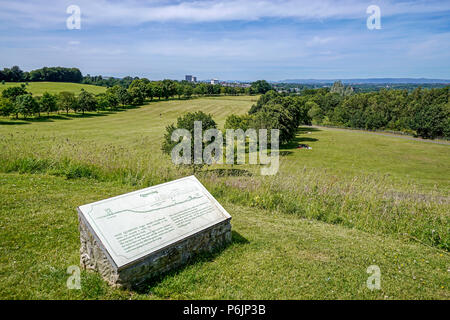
{"type": "Point", "coordinates": [295, 86]}
{"type": "Point", "coordinates": [191, 78]}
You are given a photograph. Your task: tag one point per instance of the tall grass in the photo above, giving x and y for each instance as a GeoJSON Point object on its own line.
{"type": "Point", "coordinates": [366, 202]}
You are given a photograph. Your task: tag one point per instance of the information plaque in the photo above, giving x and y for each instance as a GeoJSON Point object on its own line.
{"type": "Point", "coordinates": [138, 235]}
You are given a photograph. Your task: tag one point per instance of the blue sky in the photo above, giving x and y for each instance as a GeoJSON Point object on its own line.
{"type": "Point", "coordinates": [230, 39]}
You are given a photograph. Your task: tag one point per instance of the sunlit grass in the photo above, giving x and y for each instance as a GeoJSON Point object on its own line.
{"type": "Point", "coordinates": [38, 88]}
{"type": "Point", "coordinates": [272, 256]}
{"type": "Point", "coordinates": [349, 186]}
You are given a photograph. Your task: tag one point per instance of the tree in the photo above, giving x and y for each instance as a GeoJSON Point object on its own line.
{"type": "Point", "coordinates": [429, 120]}
{"type": "Point", "coordinates": [102, 102]}
{"type": "Point", "coordinates": [66, 101]}
{"type": "Point", "coordinates": [13, 92]}
{"type": "Point", "coordinates": [188, 91]}
{"type": "Point", "coordinates": [149, 91]}
{"type": "Point", "coordinates": [6, 106]}
{"type": "Point", "coordinates": [48, 103]}
{"type": "Point", "coordinates": [261, 86]}
{"type": "Point", "coordinates": [275, 116]}
{"type": "Point", "coordinates": [137, 95]}
{"type": "Point", "coordinates": [26, 105]}
{"type": "Point", "coordinates": [187, 122]}
{"type": "Point", "coordinates": [86, 101]}
{"type": "Point", "coordinates": [12, 75]}
{"type": "Point", "coordinates": [249, 91]}
{"type": "Point", "coordinates": [157, 89]}
{"type": "Point", "coordinates": [107, 100]}
{"type": "Point", "coordinates": [201, 89]}
{"type": "Point", "coordinates": [55, 74]}
{"type": "Point", "coordinates": [265, 98]}
{"type": "Point", "coordinates": [121, 94]}
{"type": "Point", "coordinates": [238, 122]}
{"type": "Point", "coordinates": [138, 91]}
{"type": "Point", "coordinates": [168, 88]}
{"type": "Point", "coordinates": [179, 90]}
{"type": "Point", "coordinates": [315, 112]}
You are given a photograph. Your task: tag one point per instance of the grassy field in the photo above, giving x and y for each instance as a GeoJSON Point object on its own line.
{"type": "Point", "coordinates": [310, 232]}
{"type": "Point", "coordinates": [273, 255]}
{"type": "Point", "coordinates": [38, 88]}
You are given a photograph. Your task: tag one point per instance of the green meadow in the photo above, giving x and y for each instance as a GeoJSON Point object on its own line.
{"type": "Point", "coordinates": [38, 88]}
{"type": "Point", "coordinates": [310, 232]}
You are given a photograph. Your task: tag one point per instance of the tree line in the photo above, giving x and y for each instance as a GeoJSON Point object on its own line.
{"type": "Point", "coordinates": [53, 74]}
{"type": "Point", "coordinates": [17, 100]}
{"type": "Point", "coordinates": [420, 112]}
{"type": "Point", "coordinates": [60, 74]}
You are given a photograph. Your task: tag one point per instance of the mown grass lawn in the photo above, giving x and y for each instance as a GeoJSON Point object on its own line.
{"type": "Point", "coordinates": [38, 88]}
{"type": "Point", "coordinates": [352, 152]}
{"type": "Point", "coordinates": [310, 232]}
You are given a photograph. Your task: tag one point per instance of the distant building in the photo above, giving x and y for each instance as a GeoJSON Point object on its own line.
{"type": "Point", "coordinates": [214, 81]}
{"type": "Point", "coordinates": [190, 78]}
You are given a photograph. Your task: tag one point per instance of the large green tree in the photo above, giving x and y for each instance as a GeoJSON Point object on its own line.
{"type": "Point", "coordinates": [26, 105]}
{"type": "Point", "coordinates": [168, 88]}
{"type": "Point", "coordinates": [67, 101]}
{"type": "Point", "coordinates": [48, 103]}
{"type": "Point", "coordinates": [261, 86]}
{"type": "Point", "coordinates": [187, 122]}
{"type": "Point", "coordinates": [6, 106]}
{"type": "Point", "coordinates": [121, 94]}
{"type": "Point", "coordinates": [86, 101]}
{"type": "Point", "coordinates": [13, 92]}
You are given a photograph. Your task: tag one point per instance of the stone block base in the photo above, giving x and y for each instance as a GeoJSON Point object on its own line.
{"type": "Point", "coordinates": [93, 255]}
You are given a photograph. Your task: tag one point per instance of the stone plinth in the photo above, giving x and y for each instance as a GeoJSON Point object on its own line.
{"type": "Point", "coordinates": [131, 238]}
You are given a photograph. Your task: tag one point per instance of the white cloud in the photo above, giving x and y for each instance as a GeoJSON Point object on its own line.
{"type": "Point", "coordinates": [133, 12]}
